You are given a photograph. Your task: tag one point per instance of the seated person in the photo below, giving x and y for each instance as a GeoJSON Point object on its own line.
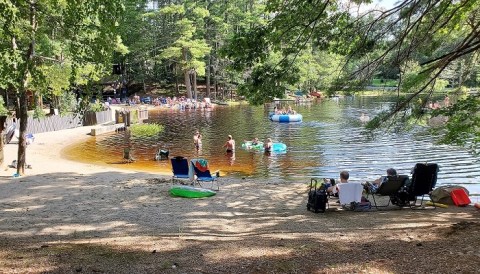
{"type": "Point", "coordinates": [255, 141]}
{"type": "Point", "coordinates": [372, 187]}
{"type": "Point", "coordinates": [344, 176]}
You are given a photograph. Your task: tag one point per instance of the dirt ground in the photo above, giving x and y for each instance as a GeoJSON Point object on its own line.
{"type": "Point", "coordinates": [68, 217]}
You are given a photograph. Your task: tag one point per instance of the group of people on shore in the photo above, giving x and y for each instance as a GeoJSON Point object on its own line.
{"type": "Point", "coordinates": [371, 187]}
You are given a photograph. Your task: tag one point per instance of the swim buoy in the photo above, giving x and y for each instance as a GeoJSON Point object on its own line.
{"type": "Point", "coordinates": [286, 118]}
{"type": "Point", "coordinates": [191, 192]}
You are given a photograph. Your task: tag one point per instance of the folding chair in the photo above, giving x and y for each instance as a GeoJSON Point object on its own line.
{"type": "Point", "coordinates": [390, 188]}
{"type": "Point", "coordinates": [424, 179]}
{"type": "Point", "coordinates": [180, 168]}
{"type": "Point", "coordinates": [202, 173]}
{"type": "Point", "coordinates": [349, 193]}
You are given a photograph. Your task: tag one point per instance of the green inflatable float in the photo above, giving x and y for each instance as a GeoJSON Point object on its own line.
{"type": "Point", "coordinates": [191, 192]}
{"type": "Point", "coordinates": [249, 145]}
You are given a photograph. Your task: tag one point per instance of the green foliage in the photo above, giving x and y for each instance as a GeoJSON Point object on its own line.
{"type": "Point", "coordinates": [3, 108]}
{"type": "Point", "coordinates": [146, 130]}
{"type": "Point", "coordinates": [384, 82]}
{"type": "Point", "coordinates": [463, 125]}
{"type": "Point", "coordinates": [38, 112]}
{"type": "Point", "coordinates": [68, 103]}
{"type": "Point", "coordinates": [97, 106]}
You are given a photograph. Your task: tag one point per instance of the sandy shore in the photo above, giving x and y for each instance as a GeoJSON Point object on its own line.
{"type": "Point", "coordinates": [69, 217]}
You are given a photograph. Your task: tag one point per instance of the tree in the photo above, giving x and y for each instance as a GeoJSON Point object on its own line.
{"type": "Point", "coordinates": [187, 50]}
{"type": "Point", "coordinates": [83, 31]}
{"type": "Point", "coordinates": [433, 33]}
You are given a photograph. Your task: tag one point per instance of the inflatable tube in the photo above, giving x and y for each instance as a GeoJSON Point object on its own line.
{"type": "Point", "coordinates": [430, 203]}
{"type": "Point", "coordinates": [191, 192]}
{"type": "Point", "coordinates": [286, 118]}
{"type": "Point", "coordinates": [248, 145]}
{"type": "Point", "coordinates": [279, 147]}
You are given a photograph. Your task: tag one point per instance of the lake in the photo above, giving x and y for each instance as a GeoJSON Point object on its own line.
{"type": "Point", "coordinates": [331, 138]}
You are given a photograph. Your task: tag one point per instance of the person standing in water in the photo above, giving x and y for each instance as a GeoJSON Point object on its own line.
{"type": "Point", "coordinates": [197, 140]}
{"type": "Point", "coordinates": [230, 144]}
{"type": "Point", "coordinates": [268, 145]}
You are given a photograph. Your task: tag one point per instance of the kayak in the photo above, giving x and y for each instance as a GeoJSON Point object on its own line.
{"type": "Point", "coordinates": [191, 192]}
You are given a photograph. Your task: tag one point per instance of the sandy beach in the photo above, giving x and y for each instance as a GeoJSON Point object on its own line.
{"type": "Point", "coordinates": [70, 217]}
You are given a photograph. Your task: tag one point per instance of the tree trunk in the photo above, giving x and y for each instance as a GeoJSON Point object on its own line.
{"type": "Point", "coordinates": [194, 82]}
{"type": "Point", "coordinates": [22, 101]}
{"type": "Point", "coordinates": [176, 79]}
{"type": "Point", "coordinates": [188, 86]}
{"type": "Point", "coordinates": [2, 128]}
{"type": "Point", "coordinates": [207, 77]}
{"type": "Point", "coordinates": [186, 74]}
{"type": "Point", "coordinates": [23, 118]}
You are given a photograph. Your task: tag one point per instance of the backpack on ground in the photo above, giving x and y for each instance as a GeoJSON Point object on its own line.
{"type": "Point", "coordinates": [317, 197]}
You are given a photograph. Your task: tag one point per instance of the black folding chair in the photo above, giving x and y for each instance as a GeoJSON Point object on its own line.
{"type": "Point", "coordinates": [390, 188]}
{"type": "Point", "coordinates": [424, 179]}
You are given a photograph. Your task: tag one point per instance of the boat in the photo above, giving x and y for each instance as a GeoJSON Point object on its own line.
{"type": "Point", "coordinates": [286, 118]}
{"type": "Point", "coordinates": [191, 192]}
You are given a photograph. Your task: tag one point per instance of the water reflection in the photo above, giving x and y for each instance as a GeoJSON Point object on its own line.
{"type": "Point", "coordinates": [330, 138]}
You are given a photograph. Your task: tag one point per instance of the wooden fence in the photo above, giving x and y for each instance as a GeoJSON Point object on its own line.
{"type": "Point", "coordinates": [57, 122]}
{"type": "Point", "coordinates": [91, 118]}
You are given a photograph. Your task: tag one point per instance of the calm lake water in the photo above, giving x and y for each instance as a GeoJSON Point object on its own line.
{"type": "Point", "coordinates": [330, 139]}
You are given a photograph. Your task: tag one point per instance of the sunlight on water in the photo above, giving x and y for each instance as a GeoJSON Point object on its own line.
{"type": "Point", "coordinates": [330, 139]}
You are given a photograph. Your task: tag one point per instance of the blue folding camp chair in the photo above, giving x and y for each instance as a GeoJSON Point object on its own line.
{"type": "Point", "coordinates": [179, 168]}
{"type": "Point", "coordinates": [202, 173]}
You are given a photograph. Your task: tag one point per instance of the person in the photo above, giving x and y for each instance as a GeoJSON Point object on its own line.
{"type": "Point", "coordinates": [230, 144]}
{"type": "Point", "coordinates": [290, 110]}
{"type": "Point", "coordinates": [372, 187]}
{"type": "Point", "coordinates": [197, 140]}
{"type": "Point", "coordinates": [268, 145]}
{"type": "Point", "coordinates": [255, 141]}
{"type": "Point", "coordinates": [344, 176]}
{"type": "Point", "coordinates": [446, 101]}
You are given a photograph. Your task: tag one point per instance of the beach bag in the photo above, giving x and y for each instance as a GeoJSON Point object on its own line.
{"type": "Point", "coordinates": [363, 205]}
{"type": "Point", "coordinates": [443, 194]}
{"type": "Point", "coordinates": [317, 197]}
{"type": "Point", "coordinates": [460, 197]}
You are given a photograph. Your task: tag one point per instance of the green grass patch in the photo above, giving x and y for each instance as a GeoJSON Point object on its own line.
{"type": "Point", "coordinates": [384, 82]}
{"type": "Point", "coordinates": [146, 130]}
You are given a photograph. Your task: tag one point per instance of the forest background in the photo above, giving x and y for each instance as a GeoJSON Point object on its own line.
{"type": "Point", "coordinates": [61, 50]}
